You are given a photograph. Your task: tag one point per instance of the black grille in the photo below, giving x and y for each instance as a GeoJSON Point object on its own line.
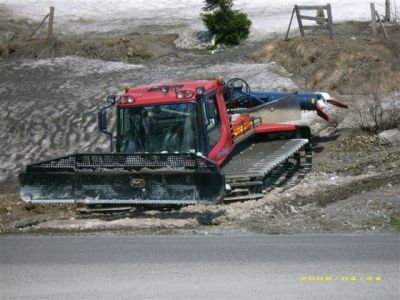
{"type": "Point", "coordinates": [126, 161]}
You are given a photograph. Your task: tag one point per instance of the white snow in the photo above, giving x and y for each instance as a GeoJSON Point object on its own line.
{"type": "Point", "coordinates": [103, 15]}
{"type": "Point", "coordinates": [79, 66]}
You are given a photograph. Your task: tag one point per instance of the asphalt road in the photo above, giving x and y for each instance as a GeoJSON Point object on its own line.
{"type": "Point", "coordinates": [200, 267]}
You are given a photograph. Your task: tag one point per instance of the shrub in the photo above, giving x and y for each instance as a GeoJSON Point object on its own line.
{"type": "Point", "coordinates": [230, 26]}
{"type": "Point", "coordinates": [376, 114]}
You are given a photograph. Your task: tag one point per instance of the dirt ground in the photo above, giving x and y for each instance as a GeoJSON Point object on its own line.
{"type": "Point", "coordinates": [143, 44]}
{"type": "Point", "coordinates": [134, 46]}
{"type": "Point", "coordinates": [351, 63]}
{"type": "Point", "coordinates": [355, 182]}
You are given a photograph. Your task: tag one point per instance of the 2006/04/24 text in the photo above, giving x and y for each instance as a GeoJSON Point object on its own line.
{"type": "Point", "coordinates": [340, 278]}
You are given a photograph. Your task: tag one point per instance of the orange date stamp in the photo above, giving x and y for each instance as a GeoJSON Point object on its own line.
{"type": "Point", "coordinates": [340, 278]}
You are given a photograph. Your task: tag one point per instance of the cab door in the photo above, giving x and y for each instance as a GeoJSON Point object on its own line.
{"type": "Point", "coordinates": [219, 139]}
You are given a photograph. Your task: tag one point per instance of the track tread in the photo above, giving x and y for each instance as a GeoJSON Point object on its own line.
{"type": "Point", "coordinates": [284, 168]}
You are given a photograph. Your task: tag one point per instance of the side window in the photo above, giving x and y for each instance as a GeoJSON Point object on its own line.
{"type": "Point", "coordinates": [212, 120]}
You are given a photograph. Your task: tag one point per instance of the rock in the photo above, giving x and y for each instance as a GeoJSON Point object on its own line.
{"type": "Point", "coordinates": [389, 137]}
{"type": "Point", "coordinates": [204, 39]}
{"type": "Point", "coordinates": [130, 51]}
{"type": "Point", "coordinates": [292, 209]}
{"type": "Point", "coordinates": [8, 36]}
{"type": "Point", "coordinates": [267, 209]}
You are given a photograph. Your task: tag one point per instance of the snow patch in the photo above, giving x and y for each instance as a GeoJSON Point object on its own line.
{"type": "Point", "coordinates": [104, 15]}
{"type": "Point", "coordinates": [79, 66]}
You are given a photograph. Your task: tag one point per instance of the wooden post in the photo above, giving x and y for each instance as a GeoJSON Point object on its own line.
{"type": "Point", "coordinates": [6, 50]}
{"type": "Point", "coordinates": [383, 27]}
{"type": "Point", "coordinates": [290, 24]}
{"type": "Point", "coordinates": [330, 21]}
{"type": "Point", "coordinates": [387, 11]}
{"type": "Point", "coordinates": [373, 20]}
{"type": "Point", "coordinates": [51, 20]}
{"type": "Point", "coordinates": [321, 15]}
{"type": "Point", "coordinates": [299, 20]}
{"type": "Point", "coordinates": [40, 25]}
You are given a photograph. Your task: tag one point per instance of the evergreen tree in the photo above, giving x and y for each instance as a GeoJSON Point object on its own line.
{"type": "Point", "coordinates": [230, 26]}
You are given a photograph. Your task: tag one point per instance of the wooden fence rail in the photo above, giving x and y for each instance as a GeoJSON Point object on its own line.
{"type": "Point", "coordinates": [375, 17]}
{"type": "Point", "coordinates": [49, 16]}
{"type": "Point", "coordinates": [326, 23]}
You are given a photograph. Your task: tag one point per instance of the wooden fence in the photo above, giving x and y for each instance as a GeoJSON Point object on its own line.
{"type": "Point", "coordinates": [49, 16]}
{"type": "Point", "coordinates": [375, 17]}
{"type": "Point", "coordinates": [325, 23]}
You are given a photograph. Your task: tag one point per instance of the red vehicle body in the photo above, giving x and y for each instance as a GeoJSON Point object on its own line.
{"type": "Point", "coordinates": [233, 130]}
{"type": "Point", "coordinates": [180, 143]}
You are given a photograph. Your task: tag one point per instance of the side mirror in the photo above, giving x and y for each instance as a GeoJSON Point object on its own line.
{"type": "Point", "coordinates": [102, 120]}
{"type": "Point", "coordinates": [210, 109]}
{"type": "Point", "coordinates": [111, 99]}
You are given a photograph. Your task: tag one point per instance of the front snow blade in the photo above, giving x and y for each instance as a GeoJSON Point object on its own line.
{"type": "Point", "coordinates": [123, 179]}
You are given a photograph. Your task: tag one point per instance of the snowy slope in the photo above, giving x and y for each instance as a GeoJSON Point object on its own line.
{"type": "Point", "coordinates": [104, 15]}
{"type": "Point", "coordinates": [57, 115]}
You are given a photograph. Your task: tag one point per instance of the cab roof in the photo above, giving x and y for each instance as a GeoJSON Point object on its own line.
{"type": "Point", "coordinates": [166, 92]}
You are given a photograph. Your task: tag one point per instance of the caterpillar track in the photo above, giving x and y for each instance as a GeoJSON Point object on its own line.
{"type": "Point", "coordinates": [257, 167]}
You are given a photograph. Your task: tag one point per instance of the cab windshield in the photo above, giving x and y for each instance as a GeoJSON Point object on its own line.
{"type": "Point", "coordinates": [160, 128]}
